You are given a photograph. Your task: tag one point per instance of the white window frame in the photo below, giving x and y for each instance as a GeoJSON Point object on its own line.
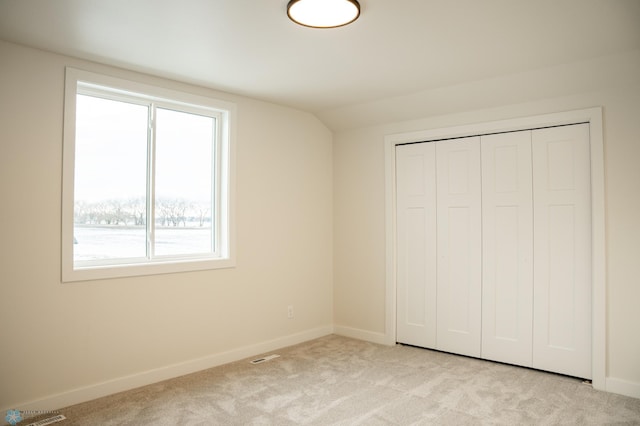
{"type": "Point", "coordinates": [84, 82]}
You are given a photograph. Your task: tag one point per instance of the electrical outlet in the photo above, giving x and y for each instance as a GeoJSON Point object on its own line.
{"type": "Point", "coordinates": [290, 311]}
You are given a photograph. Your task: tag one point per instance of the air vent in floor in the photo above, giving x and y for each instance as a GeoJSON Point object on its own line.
{"type": "Point", "coordinates": [264, 359]}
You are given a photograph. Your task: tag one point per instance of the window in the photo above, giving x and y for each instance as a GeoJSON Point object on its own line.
{"type": "Point", "coordinates": [147, 181]}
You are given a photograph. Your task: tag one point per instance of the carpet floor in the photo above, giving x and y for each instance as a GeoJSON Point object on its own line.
{"type": "Point", "coordinates": [336, 380]}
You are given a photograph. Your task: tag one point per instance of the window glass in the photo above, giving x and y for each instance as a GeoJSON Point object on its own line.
{"type": "Point", "coordinates": [183, 183]}
{"type": "Point", "coordinates": [110, 179]}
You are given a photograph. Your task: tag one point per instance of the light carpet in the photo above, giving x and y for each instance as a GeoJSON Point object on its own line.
{"type": "Point", "coordinates": [341, 381]}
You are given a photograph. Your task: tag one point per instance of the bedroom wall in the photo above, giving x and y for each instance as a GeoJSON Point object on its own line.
{"type": "Point", "coordinates": [63, 343]}
{"type": "Point", "coordinates": [359, 186]}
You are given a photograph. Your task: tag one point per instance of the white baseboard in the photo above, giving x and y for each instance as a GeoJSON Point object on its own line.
{"type": "Point", "coordinates": [356, 333]}
{"type": "Point", "coordinates": [109, 387]}
{"type": "Point", "coordinates": [623, 387]}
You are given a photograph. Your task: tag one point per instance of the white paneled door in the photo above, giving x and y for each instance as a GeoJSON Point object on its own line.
{"type": "Point", "coordinates": [459, 246]}
{"type": "Point", "coordinates": [416, 244]}
{"type": "Point", "coordinates": [507, 248]}
{"type": "Point", "coordinates": [562, 251]}
{"type": "Point", "coordinates": [494, 247]}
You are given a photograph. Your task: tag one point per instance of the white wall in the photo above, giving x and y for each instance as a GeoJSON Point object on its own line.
{"type": "Point", "coordinates": [63, 343]}
{"type": "Point", "coordinates": [359, 203]}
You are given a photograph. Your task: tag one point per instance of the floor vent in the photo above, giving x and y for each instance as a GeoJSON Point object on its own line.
{"type": "Point", "coordinates": [50, 420]}
{"type": "Point", "coordinates": [264, 359]}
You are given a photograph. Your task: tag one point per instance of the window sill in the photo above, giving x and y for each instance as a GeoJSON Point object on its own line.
{"type": "Point", "coordinates": [89, 273]}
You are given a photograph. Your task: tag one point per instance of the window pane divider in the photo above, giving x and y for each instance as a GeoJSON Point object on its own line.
{"type": "Point", "coordinates": [151, 197]}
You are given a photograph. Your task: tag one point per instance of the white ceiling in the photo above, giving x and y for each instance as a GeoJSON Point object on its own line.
{"type": "Point", "coordinates": [396, 48]}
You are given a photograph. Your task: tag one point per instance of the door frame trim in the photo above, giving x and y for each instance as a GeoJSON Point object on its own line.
{"type": "Point", "coordinates": [593, 116]}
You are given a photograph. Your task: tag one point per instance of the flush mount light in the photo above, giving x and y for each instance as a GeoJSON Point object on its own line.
{"type": "Point", "coordinates": [323, 13]}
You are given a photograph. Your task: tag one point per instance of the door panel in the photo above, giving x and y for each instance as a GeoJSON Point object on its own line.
{"type": "Point", "coordinates": [507, 248]}
{"type": "Point", "coordinates": [458, 246]}
{"type": "Point", "coordinates": [416, 244]}
{"type": "Point", "coordinates": [562, 235]}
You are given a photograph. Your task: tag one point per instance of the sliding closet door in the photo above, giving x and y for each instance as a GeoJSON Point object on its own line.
{"type": "Point", "coordinates": [459, 246]}
{"type": "Point", "coordinates": [562, 251]}
{"type": "Point", "coordinates": [416, 244]}
{"type": "Point", "coordinates": [507, 248]}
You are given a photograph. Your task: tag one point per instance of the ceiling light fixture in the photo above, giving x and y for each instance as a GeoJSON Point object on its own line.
{"type": "Point", "coordinates": [323, 13]}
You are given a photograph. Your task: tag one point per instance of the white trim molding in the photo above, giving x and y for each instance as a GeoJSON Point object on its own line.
{"type": "Point", "coordinates": [593, 116]}
{"type": "Point", "coordinates": [366, 335]}
{"type": "Point", "coordinates": [120, 384]}
{"type": "Point", "coordinates": [623, 387]}
{"type": "Point", "coordinates": [221, 253]}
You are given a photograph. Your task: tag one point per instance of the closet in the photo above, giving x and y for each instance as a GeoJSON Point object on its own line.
{"type": "Point", "coordinates": [493, 247]}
